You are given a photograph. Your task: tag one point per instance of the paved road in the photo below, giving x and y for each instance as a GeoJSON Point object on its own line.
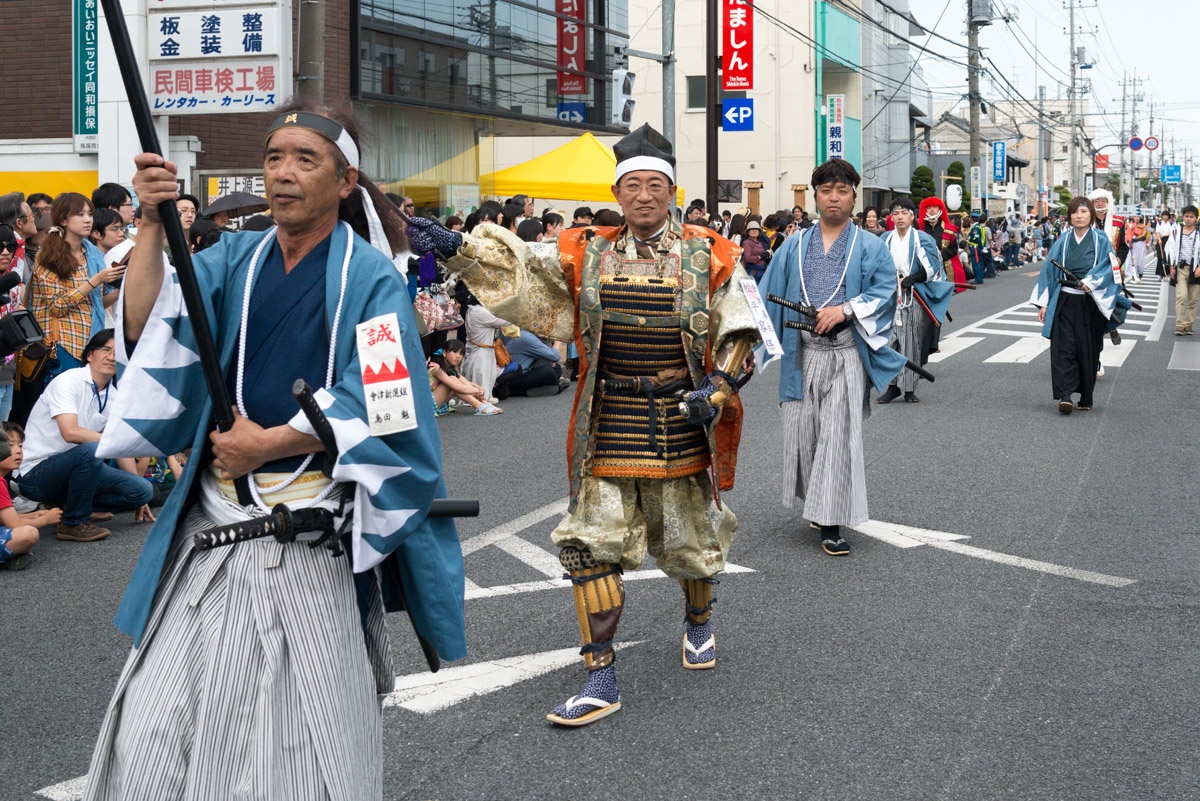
{"type": "Point", "coordinates": [1023, 625]}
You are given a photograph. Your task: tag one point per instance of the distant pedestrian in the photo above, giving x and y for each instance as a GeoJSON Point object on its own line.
{"type": "Point", "coordinates": [1184, 257]}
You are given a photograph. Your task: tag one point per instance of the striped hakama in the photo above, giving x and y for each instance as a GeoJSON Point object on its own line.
{"type": "Point", "coordinates": [254, 679]}
{"type": "Point", "coordinates": [910, 336]}
{"type": "Point", "coordinates": [824, 464]}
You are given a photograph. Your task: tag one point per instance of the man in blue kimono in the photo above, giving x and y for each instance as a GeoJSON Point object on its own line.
{"type": "Point", "coordinates": [924, 295]}
{"type": "Point", "coordinates": [848, 276]}
{"type": "Point", "coordinates": [257, 668]}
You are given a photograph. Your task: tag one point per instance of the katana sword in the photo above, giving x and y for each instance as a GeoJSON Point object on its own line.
{"type": "Point", "coordinates": [169, 214]}
{"type": "Point", "coordinates": [1070, 280]}
{"type": "Point", "coordinates": [917, 297]}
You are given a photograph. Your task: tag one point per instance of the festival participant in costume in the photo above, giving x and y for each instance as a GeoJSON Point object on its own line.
{"type": "Point", "coordinates": [825, 385]}
{"type": "Point", "coordinates": [1113, 228]}
{"type": "Point", "coordinates": [933, 219]}
{"type": "Point", "coordinates": [1074, 318]}
{"type": "Point", "coordinates": [259, 665]}
{"type": "Point", "coordinates": [655, 309]}
{"type": "Point", "coordinates": [924, 291]}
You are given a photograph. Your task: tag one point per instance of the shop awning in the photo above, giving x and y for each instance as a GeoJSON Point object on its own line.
{"type": "Point", "coordinates": [582, 169]}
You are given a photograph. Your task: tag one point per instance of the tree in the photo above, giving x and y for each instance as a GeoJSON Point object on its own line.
{"type": "Point", "coordinates": [1064, 194]}
{"type": "Point", "coordinates": [921, 184]}
{"type": "Point", "coordinates": [1113, 184]}
{"type": "Point", "coordinates": [958, 170]}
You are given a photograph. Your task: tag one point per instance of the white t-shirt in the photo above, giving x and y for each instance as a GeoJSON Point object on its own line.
{"type": "Point", "coordinates": [71, 392]}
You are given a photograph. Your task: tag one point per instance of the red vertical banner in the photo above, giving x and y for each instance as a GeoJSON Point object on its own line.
{"type": "Point", "coordinates": [572, 48]}
{"type": "Point", "coordinates": [737, 46]}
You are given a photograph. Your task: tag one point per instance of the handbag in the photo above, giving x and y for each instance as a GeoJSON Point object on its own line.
{"type": "Point", "coordinates": [32, 360]}
{"type": "Point", "coordinates": [428, 309]}
{"type": "Point", "coordinates": [451, 316]}
{"type": "Point", "coordinates": [503, 359]}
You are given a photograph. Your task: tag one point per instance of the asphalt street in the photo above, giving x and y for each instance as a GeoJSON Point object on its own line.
{"type": "Point", "coordinates": [1034, 635]}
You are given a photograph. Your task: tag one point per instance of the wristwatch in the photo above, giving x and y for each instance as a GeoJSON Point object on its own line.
{"type": "Point", "coordinates": [846, 310]}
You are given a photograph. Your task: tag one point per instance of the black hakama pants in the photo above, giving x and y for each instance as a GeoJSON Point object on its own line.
{"type": "Point", "coordinates": [1075, 342]}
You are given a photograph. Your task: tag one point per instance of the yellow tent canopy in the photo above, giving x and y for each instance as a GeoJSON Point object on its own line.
{"type": "Point", "coordinates": [582, 169]}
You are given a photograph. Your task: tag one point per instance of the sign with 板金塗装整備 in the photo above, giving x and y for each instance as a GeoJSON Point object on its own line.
{"type": "Point", "coordinates": [219, 56]}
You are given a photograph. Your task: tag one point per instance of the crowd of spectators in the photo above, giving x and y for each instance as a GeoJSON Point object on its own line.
{"type": "Point", "coordinates": [69, 252]}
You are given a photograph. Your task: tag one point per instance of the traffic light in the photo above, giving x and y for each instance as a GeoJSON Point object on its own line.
{"type": "Point", "coordinates": [622, 97]}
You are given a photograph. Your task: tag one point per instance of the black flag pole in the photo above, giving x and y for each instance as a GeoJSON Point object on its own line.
{"type": "Point", "coordinates": [169, 214]}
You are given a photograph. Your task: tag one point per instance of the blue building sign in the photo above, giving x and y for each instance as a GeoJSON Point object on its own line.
{"type": "Point", "coordinates": [998, 162]}
{"type": "Point", "coordinates": [737, 114]}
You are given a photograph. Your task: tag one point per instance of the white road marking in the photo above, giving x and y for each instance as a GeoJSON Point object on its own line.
{"type": "Point", "coordinates": [1185, 356]}
{"type": "Point", "coordinates": [427, 693]}
{"type": "Point", "coordinates": [910, 537]}
{"type": "Point", "coordinates": [1160, 313]}
{"type": "Point", "coordinates": [559, 583]}
{"type": "Point", "coordinates": [514, 526]}
{"type": "Point", "coordinates": [1023, 351]}
{"type": "Point", "coordinates": [1115, 355]}
{"type": "Point", "coordinates": [953, 344]}
{"type": "Point", "coordinates": [70, 790]}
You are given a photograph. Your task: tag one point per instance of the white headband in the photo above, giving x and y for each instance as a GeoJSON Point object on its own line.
{"type": "Point", "coordinates": [645, 163]}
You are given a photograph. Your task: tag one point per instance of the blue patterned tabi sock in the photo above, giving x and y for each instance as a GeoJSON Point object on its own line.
{"type": "Point", "coordinates": [601, 684]}
{"type": "Point", "coordinates": [698, 635]}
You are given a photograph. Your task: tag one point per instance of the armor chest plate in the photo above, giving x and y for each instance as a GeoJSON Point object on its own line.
{"type": "Point", "coordinates": [639, 435]}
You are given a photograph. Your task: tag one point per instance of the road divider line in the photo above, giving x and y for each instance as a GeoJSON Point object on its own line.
{"type": "Point", "coordinates": [1023, 351]}
{"type": "Point", "coordinates": [512, 527]}
{"type": "Point", "coordinates": [952, 345]}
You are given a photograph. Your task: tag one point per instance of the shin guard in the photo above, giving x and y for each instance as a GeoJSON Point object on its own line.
{"type": "Point", "coordinates": [699, 599]}
{"type": "Point", "coordinates": [599, 599]}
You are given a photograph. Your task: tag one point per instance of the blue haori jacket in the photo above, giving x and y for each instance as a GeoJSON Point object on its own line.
{"type": "Point", "coordinates": [935, 290]}
{"type": "Point", "coordinates": [870, 291]}
{"type": "Point", "coordinates": [1107, 295]}
{"type": "Point", "coordinates": [164, 408]}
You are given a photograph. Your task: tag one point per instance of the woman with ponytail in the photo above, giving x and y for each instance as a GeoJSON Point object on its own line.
{"type": "Point", "coordinates": [66, 291]}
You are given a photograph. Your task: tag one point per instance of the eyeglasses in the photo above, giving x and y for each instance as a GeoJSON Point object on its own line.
{"type": "Point", "coordinates": [657, 188]}
{"type": "Point", "coordinates": [128, 203]}
{"type": "Point", "coordinates": [10, 246]}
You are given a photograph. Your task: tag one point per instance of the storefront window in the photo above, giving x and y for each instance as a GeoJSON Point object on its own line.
{"type": "Point", "coordinates": [535, 60]}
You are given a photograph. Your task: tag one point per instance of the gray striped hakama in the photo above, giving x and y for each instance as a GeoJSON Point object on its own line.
{"type": "Point", "coordinates": [824, 463]}
{"type": "Point", "coordinates": [254, 679]}
{"type": "Point", "coordinates": [910, 337]}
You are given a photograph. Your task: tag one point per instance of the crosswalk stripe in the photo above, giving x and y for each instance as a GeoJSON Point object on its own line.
{"type": "Point", "coordinates": [952, 345]}
{"type": "Point", "coordinates": [1023, 351]}
{"type": "Point", "coordinates": [1115, 355]}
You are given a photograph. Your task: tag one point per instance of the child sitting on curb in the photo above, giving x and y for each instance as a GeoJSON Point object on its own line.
{"type": "Point", "coordinates": [18, 532]}
{"type": "Point", "coordinates": [444, 380]}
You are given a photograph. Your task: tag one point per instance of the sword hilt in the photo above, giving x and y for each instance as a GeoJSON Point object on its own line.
{"type": "Point", "coordinates": [796, 306]}
{"type": "Point", "coordinates": [282, 523]}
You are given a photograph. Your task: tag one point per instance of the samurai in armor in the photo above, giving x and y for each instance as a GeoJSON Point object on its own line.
{"type": "Point", "coordinates": [659, 315]}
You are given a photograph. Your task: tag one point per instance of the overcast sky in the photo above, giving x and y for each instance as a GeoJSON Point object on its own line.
{"type": "Point", "coordinates": [1149, 36]}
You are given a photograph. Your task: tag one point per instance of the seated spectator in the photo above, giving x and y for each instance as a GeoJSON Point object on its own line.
{"type": "Point", "coordinates": [162, 474]}
{"type": "Point", "coordinates": [60, 463]}
{"type": "Point", "coordinates": [535, 370]}
{"type": "Point", "coordinates": [530, 231]}
{"type": "Point", "coordinates": [512, 216]}
{"type": "Point", "coordinates": [18, 532]}
{"type": "Point", "coordinates": [454, 223]}
{"type": "Point", "coordinates": [445, 381]}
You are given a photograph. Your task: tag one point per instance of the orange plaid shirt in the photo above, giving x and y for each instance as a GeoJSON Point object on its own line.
{"type": "Point", "coordinates": [65, 303]}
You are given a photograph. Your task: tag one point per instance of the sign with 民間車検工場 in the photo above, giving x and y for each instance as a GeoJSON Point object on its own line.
{"type": "Point", "coordinates": [220, 56]}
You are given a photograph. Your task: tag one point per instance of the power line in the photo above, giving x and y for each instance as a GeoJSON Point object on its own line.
{"type": "Point", "coordinates": [910, 71]}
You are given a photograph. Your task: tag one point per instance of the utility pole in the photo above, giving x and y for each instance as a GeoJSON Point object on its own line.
{"type": "Point", "coordinates": [713, 103]}
{"type": "Point", "coordinates": [668, 70]}
{"type": "Point", "coordinates": [1135, 98]}
{"type": "Point", "coordinates": [1124, 137]}
{"type": "Point", "coordinates": [310, 77]}
{"type": "Point", "coordinates": [974, 23]}
{"type": "Point", "coordinates": [1041, 145]}
{"type": "Point", "coordinates": [1072, 155]}
{"type": "Point", "coordinates": [1150, 154]}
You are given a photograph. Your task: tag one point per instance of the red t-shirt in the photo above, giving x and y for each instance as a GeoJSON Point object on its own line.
{"type": "Point", "coordinates": [5, 497]}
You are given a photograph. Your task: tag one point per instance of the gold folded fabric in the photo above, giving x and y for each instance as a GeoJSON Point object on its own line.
{"type": "Point", "coordinates": [309, 485]}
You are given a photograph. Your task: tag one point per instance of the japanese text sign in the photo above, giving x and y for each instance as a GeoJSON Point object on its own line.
{"type": "Point", "coordinates": [572, 48]}
{"type": "Point", "coordinates": [737, 47]}
{"type": "Point", "coordinates": [835, 126]}
{"type": "Point", "coordinates": [999, 161]}
{"type": "Point", "coordinates": [83, 85]}
{"type": "Point", "coordinates": [219, 57]}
